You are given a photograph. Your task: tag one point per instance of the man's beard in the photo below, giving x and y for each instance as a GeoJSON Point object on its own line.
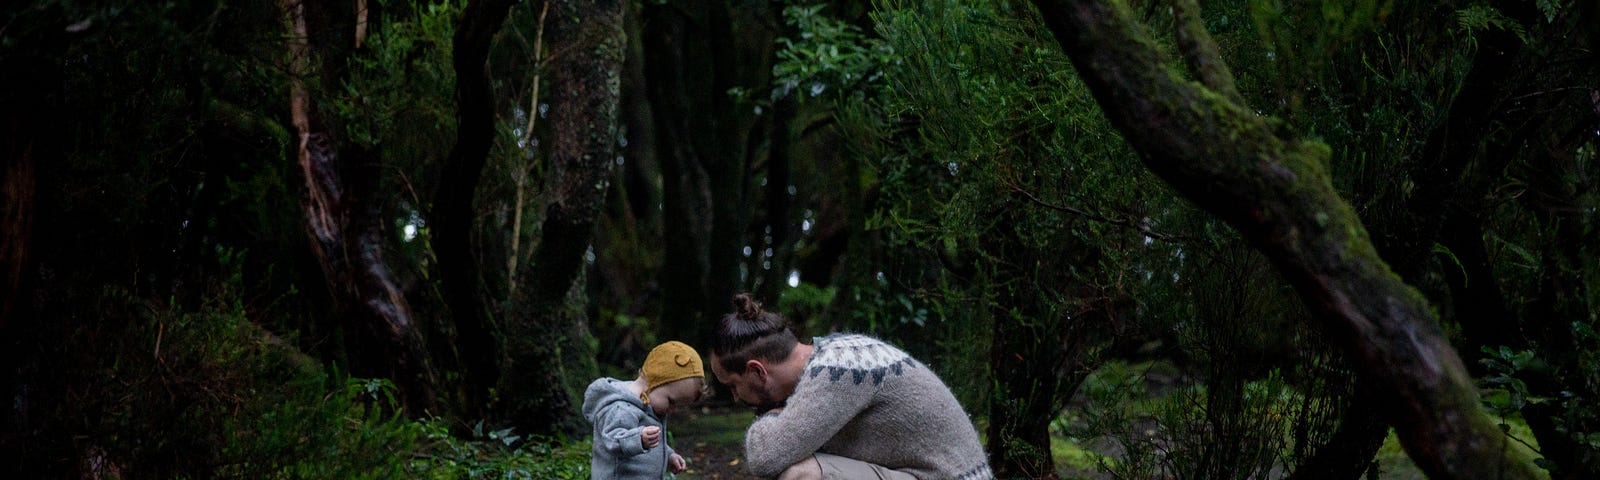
{"type": "Point", "coordinates": [766, 404]}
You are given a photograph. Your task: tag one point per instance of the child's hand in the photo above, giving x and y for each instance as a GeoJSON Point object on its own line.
{"type": "Point", "coordinates": [677, 464]}
{"type": "Point", "coordinates": [650, 437]}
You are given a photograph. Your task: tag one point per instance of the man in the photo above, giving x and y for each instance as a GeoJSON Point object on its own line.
{"type": "Point", "coordinates": [846, 407]}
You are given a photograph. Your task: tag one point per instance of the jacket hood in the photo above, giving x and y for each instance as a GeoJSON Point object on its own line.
{"type": "Point", "coordinates": [604, 392]}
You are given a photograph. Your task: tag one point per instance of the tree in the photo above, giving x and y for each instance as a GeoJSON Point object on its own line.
{"type": "Point", "coordinates": [547, 329]}
{"type": "Point", "coordinates": [1438, 116]}
{"type": "Point", "coordinates": [453, 215]}
{"type": "Point", "coordinates": [343, 221]}
{"type": "Point", "coordinates": [698, 57]}
{"type": "Point", "coordinates": [1276, 191]}
{"type": "Point", "coordinates": [981, 130]}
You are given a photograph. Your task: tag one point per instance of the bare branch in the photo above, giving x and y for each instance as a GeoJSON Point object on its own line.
{"type": "Point", "coordinates": [1123, 222]}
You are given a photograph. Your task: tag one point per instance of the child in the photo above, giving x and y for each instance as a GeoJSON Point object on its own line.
{"type": "Point", "coordinates": [628, 437]}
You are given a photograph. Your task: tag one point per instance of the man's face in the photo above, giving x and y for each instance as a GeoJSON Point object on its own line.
{"type": "Point", "coordinates": [750, 387]}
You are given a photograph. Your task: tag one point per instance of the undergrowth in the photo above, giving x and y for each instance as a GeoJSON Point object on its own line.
{"type": "Point", "coordinates": [155, 389]}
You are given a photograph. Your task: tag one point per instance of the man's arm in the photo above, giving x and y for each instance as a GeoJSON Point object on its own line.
{"type": "Point", "coordinates": [817, 410]}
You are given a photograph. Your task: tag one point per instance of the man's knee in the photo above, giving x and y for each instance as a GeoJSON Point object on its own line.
{"type": "Point", "coordinates": [807, 469]}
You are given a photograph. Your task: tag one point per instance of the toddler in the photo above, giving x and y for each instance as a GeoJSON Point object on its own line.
{"type": "Point", "coordinates": [629, 416]}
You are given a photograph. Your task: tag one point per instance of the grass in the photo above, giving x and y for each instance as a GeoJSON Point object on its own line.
{"type": "Point", "coordinates": [712, 440]}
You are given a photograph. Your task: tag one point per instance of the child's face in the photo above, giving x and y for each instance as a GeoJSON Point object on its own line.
{"type": "Point", "coordinates": [666, 398]}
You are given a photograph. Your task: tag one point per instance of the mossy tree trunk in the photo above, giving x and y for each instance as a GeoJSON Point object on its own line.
{"type": "Point", "coordinates": [1276, 191]}
{"type": "Point", "coordinates": [549, 328]}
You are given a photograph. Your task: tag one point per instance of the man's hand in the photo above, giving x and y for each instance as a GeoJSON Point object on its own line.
{"type": "Point", "coordinates": [677, 464]}
{"type": "Point", "coordinates": [650, 437]}
{"type": "Point", "coordinates": [770, 408]}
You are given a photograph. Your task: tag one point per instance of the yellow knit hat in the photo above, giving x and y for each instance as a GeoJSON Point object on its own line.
{"type": "Point", "coordinates": [670, 362]}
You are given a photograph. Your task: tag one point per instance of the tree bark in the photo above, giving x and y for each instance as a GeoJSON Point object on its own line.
{"type": "Point", "coordinates": [1026, 358]}
{"type": "Point", "coordinates": [1348, 454]}
{"type": "Point", "coordinates": [1277, 193]}
{"type": "Point", "coordinates": [1504, 113]}
{"type": "Point", "coordinates": [584, 109]}
{"type": "Point", "coordinates": [29, 115]}
{"type": "Point", "coordinates": [344, 225]}
{"type": "Point", "coordinates": [18, 191]}
{"type": "Point", "coordinates": [726, 166]}
{"type": "Point", "coordinates": [696, 54]}
{"type": "Point", "coordinates": [778, 223]}
{"type": "Point", "coordinates": [676, 67]}
{"type": "Point", "coordinates": [453, 217]}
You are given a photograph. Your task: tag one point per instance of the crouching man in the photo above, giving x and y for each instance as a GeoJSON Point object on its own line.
{"type": "Point", "coordinates": [845, 407]}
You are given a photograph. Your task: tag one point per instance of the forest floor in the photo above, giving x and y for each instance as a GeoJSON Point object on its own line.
{"type": "Point", "coordinates": [711, 438]}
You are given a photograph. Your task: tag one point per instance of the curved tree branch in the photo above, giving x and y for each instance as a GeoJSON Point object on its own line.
{"type": "Point", "coordinates": [1277, 193]}
{"type": "Point", "coordinates": [1200, 51]}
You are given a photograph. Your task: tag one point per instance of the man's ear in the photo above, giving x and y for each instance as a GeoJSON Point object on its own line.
{"type": "Point", "coordinates": [753, 365]}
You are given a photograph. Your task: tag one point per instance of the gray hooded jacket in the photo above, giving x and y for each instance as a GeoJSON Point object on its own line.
{"type": "Point", "coordinates": [618, 416]}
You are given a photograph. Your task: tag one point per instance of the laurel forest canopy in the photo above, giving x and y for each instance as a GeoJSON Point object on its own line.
{"type": "Point", "coordinates": [1138, 238]}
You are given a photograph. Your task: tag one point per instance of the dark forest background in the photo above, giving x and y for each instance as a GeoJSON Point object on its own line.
{"type": "Point", "coordinates": [381, 238]}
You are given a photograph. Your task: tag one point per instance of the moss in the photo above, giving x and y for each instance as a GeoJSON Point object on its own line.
{"type": "Point", "coordinates": [1072, 459]}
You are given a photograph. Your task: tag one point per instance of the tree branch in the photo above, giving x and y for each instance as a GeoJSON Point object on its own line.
{"type": "Point", "coordinates": [1123, 222]}
{"type": "Point", "coordinates": [1200, 51]}
{"type": "Point", "coordinates": [1277, 193]}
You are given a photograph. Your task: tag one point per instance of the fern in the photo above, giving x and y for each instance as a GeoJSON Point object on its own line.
{"type": "Point", "coordinates": [1479, 18]}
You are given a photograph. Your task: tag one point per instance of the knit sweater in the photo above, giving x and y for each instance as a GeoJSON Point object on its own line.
{"type": "Point", "coordinates": [619, 417]}
{"type": "Point", "coordinates": [863, 399]}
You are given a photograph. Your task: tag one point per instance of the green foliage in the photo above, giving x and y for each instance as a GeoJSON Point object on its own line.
{"type": "Point", "coordinates": [1167, 427]}
{"type": "Point", "coordinates": [400, 91]}
{"type": "Point", "coordinates": [1118, 392]}
{"type": "Point", "coordinates": [1477, 18]}
{"type": "Point", "coordinates": [1508, 395]}
{"type": "Point", "coordinates": [1284, 50]}
{"type": "Point", "coordinates": [1504, 364]}
{"type": "Point", "coordinates": [1002, 189]}
{"type": "Point", "coordinates": [827, 53]}
{"type": "Point", "coordinates": [804, 304]}
{"type": "Point", "coordinates": [169, 392]}
{"type": "Point", "coordinates": [497, 454]}
{"type": "Point", "coordinates": [163, 391]}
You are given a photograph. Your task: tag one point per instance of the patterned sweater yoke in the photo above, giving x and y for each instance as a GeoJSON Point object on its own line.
{"type": "Point", "coordinates": [859, 356]}
{"type": "Point", "coordinates": [864, 399]}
